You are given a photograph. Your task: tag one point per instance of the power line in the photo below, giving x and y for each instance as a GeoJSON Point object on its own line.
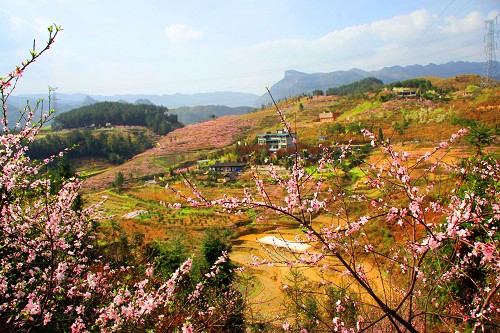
{"type": "Point", "coordinates": [434, 47]}
{"type": "Point", "coordinates": [490, 70]}
{"type": "Point", "coordinates": [430, 26]}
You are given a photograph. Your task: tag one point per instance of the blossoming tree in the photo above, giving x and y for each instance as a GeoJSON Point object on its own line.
{"type": "Point", "coordinates": [52, 273]}
{"type": "Point", "coordinates": [412, 247]}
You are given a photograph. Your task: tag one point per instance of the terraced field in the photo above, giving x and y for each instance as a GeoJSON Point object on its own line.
{"type": "Point", "coordinates": [265, 282]}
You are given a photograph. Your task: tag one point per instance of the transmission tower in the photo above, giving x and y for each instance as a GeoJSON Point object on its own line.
{"type": "Point", "coordinates": [490, 69]}
{"type": "Point", "coordinates": [52, 98]}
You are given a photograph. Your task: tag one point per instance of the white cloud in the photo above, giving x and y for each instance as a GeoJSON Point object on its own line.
{"type": "Point", "coordinates": [179, 32]}
{"type": "Point", "coordinates": [454, 25]}
{"type": "Point", "coordinates": [250, 60]}
{"type": "Point", "coordinates": [413, 38]}
{"type": "Point", "coordinates": [402, 27]}
{"type": "Point", "coordinates": [347, 47]}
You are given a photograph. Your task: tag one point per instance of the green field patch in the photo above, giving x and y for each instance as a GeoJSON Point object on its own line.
{"type": "Point", "coordinates": [360, 108]}
{"type": "Point", "coordinates": [89, 173]}
{"type": "Point", "coordinates": [356, 174]}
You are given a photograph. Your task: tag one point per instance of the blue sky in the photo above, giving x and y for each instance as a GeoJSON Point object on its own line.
{"type": "Point", "coordinates": [166, 47]}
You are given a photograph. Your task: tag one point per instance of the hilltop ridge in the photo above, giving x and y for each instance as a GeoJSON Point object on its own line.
{"type": "Point", "coordinates": [297, 83]}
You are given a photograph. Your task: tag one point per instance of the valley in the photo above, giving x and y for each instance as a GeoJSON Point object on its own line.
{"type": "Point", "coordinates": [413, 125]}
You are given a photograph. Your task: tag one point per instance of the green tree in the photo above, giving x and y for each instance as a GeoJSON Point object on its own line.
{"type": "Point", "coordinates": [335, 130]}
{"type": "Point", "coordinates": [338, 295]}
{"type": "Point", "coordinates": [318, 92]}
{"type": "Point", "coordinates": [380, 134]}
{"type": "Point", "coordinates": [301, 303]}
{"type": "Point", "coordinates": [217, 241]}
{"type": "Point", "coordinates": [168, 255]}
{"type": "Point", "coordinates": [480, 136]}
{"type": "Point", "coordinates": [119, 180]}
{"type": "Point", "coordinates": [359, 87]}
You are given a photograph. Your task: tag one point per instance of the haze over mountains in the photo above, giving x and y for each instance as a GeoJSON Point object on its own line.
{"type": "Point", "coordinates": [293, 83]}
{"type": "Point", "coordinates": [66, 102]}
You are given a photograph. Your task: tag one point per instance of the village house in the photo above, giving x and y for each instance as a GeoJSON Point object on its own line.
{"type": "Point", "coordinates": [328, 116]}
{"type": "Point", "coordinates": [402, 92]}
{"type": "Point", "coordinates": [276, 141]}
{"type": "Point", "coordinates": [227, 167]}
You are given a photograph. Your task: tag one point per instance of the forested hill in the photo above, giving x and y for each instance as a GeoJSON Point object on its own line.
{"type": "Point", "coordinates": [358, 87]}
{"type": "Point", "coordinates": [107, 114]}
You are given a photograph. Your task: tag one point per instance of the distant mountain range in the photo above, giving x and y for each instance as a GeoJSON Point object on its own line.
{"type": "Point", "coordinates": [66, 102]}
{"type": "Point", "coordinates": [293, 83]}
{"type": "Point", "coordinates": [296, 83]}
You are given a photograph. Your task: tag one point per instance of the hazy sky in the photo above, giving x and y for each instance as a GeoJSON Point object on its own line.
{"type": "Point", "coordinates": [166, 47]}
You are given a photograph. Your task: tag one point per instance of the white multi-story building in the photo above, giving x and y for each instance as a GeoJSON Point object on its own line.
{"type": "Point", "coordinates": [277, 141]}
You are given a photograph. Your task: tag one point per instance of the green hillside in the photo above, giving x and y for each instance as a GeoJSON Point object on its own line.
{"type": "Point", "coordinates": [407, 121]}
{"type": "Point", "coordinates": [144, 220]}
{"type": "Point", "coordinates": [415, 125]}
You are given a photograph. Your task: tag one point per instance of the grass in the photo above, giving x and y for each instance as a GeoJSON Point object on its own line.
{"type": "Point", "coordinates": [358, 109]}
{"type": "Point", "coordinates": [93, 172]}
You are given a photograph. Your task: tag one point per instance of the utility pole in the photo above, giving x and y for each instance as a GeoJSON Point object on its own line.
{"type": "Point", "coordinates": [490, 69]}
